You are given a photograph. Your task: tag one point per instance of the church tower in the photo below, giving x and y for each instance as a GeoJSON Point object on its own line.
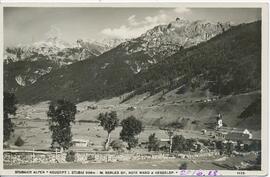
{"type": "Point", "coordinates": [219, 123]}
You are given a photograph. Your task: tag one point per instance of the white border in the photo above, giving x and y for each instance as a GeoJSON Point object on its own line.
{"type": "Point", "coordinates": [162, 3]}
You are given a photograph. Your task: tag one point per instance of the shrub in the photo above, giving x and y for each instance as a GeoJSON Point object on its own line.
{"type": "Point", "coordinates": [70, 156]}
{"type": "Point", "coordinates": [153, 143]}
{"type": "Point", "coordinates": [178, 143]}
{"type": "Point", "coordinates": [117, 145]}
{"type": "Point", "coordinates": [91, 157]}
{"type": "Point", "coordinates": [183, 166]}
{"type": "Point", "coordinates": [19, 141]}
{"type": "Point", "coordinates": [176, 124]}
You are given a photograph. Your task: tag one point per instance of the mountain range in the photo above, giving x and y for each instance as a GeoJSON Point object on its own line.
{"type": "Point", "coordinates": [214, 57]}
{"type": "Point", "coordinates": [24, 64]}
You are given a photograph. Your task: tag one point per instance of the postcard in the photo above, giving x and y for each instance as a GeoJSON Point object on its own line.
{"type": "Point", "coordinates": [134, 89]}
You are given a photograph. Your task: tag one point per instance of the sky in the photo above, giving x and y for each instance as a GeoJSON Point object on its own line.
{"type": "Point", "coordinates": [25, 25]}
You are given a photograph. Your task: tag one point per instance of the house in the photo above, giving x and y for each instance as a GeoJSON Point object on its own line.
{"type": "Point", "coordinates": [237, 136]}
{"type": "Point", "coordinates": [220, 134]}
{"type": "Point", "coordinates": [203, 131]}
{"type": "Point", "coordinates": [80, 143]}
{"type": "Point", "coordinates": [164, 145]}
{"type": "Point", "coordinates": [234, 134]}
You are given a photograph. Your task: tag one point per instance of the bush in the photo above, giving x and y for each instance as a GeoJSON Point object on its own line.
{"type": "Point", "coordinates": [183, 166]}
{"type": "Point", "coordinates": [176, 124]}
{"type": "Point", "coordinates": [91, 157]}
{"type": "Point", "coordinates": [153, 143]}
{"type": "Point", "coordinates": [117, 145]}
{"type": "Point", "coordinates": [19, 141]}
{"type": "Point", "coordinates": [70, 156]}
{"type": "Point", "coordinates": [178, 143]}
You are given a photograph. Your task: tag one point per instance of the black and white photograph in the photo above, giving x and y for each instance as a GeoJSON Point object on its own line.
{"type": "Point", "coordinates": [133, 88]}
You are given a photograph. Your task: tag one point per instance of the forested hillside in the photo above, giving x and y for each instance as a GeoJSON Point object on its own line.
{"type": "Point", "coordinates": [226, 64]}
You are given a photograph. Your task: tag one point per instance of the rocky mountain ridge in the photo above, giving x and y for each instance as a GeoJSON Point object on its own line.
{"type": "Point", "coordinates": [228, 63]}
{"type": "Point", "coordinates": [165, 40]}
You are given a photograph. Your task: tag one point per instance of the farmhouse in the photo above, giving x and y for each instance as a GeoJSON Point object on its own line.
{"type": "Point", "coordinates": [80, 143]}
{"type": "Point", "coordinates": [234, 134]}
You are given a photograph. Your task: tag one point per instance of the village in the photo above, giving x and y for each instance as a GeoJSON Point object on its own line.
{"type": "Point", "coordinates": [218, 142]}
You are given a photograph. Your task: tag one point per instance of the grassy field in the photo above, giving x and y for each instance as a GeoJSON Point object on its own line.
{"type": "Point", "coordinates": [37, 135]}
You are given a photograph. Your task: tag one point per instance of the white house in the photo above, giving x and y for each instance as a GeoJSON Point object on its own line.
{"type": "Point", "coordinates": [232, 133]}
{"type": "Point", "coordinates": [248, 133]}
{"type": "Point", "coordinates": [80, 143]}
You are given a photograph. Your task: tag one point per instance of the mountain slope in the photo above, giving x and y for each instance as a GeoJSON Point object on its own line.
{"type": "Point", "coordinates": [140, 53]}
{"type": "Point", "coordinates": [228, 63]}
{"type": "Point", "coordinates": [24, 65]}
{"type": "Point", "coordinates": [165, 40]}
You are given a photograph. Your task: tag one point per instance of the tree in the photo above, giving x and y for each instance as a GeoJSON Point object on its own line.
{"type": "Point", "coordinates": [178, 143]}
{"type": "Point", "coordinates": [153, 143]}
{"type": "Point", "coordinates": [109, 122]}
{"type": "Point", "coordinates": [131, 128]}
{"type": "Point", "coordinates": [189, 144]}
{"type": "Point", "coordinates": [229, 148]}
{"type": "Point", "coordinates": [170, 132]}
{"type": "Point", "coordinates": [61, 114]}
{"type": "Point", "coordinates": [10, 108]}
{"type": "Point", "coordinates": [19, 141]}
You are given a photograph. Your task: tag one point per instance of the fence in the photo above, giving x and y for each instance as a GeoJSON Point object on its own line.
{"type": "Point", "coordinates": [28, 157]}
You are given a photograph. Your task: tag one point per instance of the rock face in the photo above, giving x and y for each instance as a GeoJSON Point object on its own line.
{"type": "Point", "coordinates": [165, 40]}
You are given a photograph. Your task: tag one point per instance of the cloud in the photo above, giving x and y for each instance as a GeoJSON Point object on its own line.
{"type": "Point", "coordinates": [134, 28]}
{"type": "Point", "coordinates": [132, 20]}
{"type": "Point", "coordinates": [54, 32]}
{"type": "Point", "coordinates": [181, 10]}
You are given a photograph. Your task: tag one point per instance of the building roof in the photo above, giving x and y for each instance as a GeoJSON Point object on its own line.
{"type": "Point", "coordinates": [231, 129]}
{"type": "Point", "coordinates": [237, 136]}
{"type": "Point", "coordinates": [80, 141]}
